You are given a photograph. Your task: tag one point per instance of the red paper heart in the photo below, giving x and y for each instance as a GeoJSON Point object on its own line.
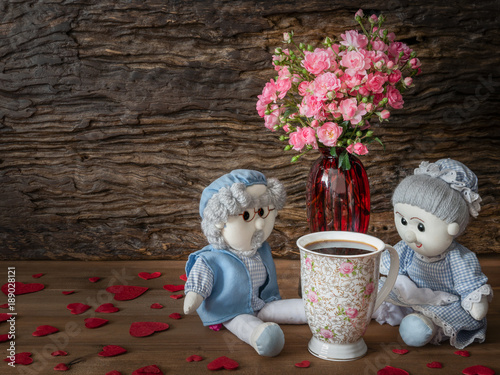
{"type": "Point", "coordinates": [463, 353]}
{"type": "Point", "coordinates": [4, 306]}
{"type": "Point", "coordinates": [435, 365]}
{"type": "Point", "coordinates": [4, 317]}
{"type": "Point", "coordinates": [126, 292]}
{"type": "Point", "coordinates": [111, 351]}
{"type": "Point", "coordinates": [59, 353]}
{"type": "Point", "coordinates": [173, 288]}
{"type": "Point", "coordinates": [37, 275]}
{"type": "Point", "coordinates": [95, 322]}
{"type": "Point", "coordinates": [478, 370]}
{"type": "Point", "coordinates": [148, 370]}
{"type": "Point", "coordinates": [303, 364]}
{"type": "Point", "coordinates": [114, 372]}
{"type": "Point", "coordinates": [45, 330]}
{"type": "Point", "coordinates": [194, 358]}
{"type": "Point", "coordinates": [5, 337]}
{"type": "Point", "coordinates": [175, 316]}
{"type": "Point", "coordinates": [107, 308]}
{"type": "Point", "coordinates": [68, 292]}
{"type": "Point", "coordinates": [216, 327]}
{"type": "Point", "coordinates": [156, 306]}
{"type": "Point", "coordinates": [389, 370]}
{"type": "Point", "coordinates": [94, 279]}
{"type": "Point", "coordinates": [400, 351]}
{"type": "Point", "coordinates": [183, 277]}
{"type": "Point", "coordinates": [142, 329]}
{"type": "Point", "coordinates": [21, 288]}
{"type": "Point", "coordinates": [77, 308]}
{"type": "Point", "coordinates": [223, 363]}
{"type": "Point", "coordinates": [61, 367]}
{"type": "Point", "coordinates": [149, 276]}
{"type": "Point", "coordinates": [23, 358]}
{"type": "Point", "coordinates": [176, 296]}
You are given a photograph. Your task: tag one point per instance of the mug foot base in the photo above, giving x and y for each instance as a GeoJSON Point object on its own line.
{"type": "Point", "coordinates": [337, 352]}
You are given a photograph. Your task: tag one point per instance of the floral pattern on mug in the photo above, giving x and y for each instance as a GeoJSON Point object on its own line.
{"type": "Point", "coordinates": [368, 289]}
{"type": "Point", "coordinates": [309, 263]}
{"type": "Point", "coordinates": [326, 333]}
{"type": "Point", "coordinates": [312, 296]}
{"type": "Point", "coordinates": [348, 268]}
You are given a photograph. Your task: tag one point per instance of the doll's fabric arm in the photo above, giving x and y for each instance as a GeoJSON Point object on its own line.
{"type": "Point", "coordinates": [200, 279]}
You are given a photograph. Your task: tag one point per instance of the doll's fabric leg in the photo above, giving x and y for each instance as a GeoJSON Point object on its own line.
{"type": "Point", "coordinates": [285, 311]}
{"type": "Point", "coordinates": [417, 330]}
{"type": "Point", "coordinates": [266, 338]}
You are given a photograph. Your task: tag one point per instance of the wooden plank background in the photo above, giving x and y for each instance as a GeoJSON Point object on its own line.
{"type": "Point", "coordinates": [114, 115]}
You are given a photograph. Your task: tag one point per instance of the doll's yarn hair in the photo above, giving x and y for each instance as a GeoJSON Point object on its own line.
{"type": "Point", "coordinates": [233, 200]}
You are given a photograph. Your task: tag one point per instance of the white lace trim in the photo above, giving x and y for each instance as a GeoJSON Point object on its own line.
{"type": "Point", "coordinates": [476, 296]}
{"type": "Point", "coordinates": [433, 259]}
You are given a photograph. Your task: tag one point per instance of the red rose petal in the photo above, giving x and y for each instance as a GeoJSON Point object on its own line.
{"type": "Point", "coordinates": [175, 316]}
{"type": "Point", "coordinates": [223, 363]}
{"type": "Point", "coordinates": [5, 337]}
{"type": "Point", "coordinates": [177, 296]}
{"type": "Point", "coordinates": [216, 327]}
{"type": "Point", "coordinates": [4, 317]}
{"type": "Point", "coordinates": [478, 370]}
{"type": "Point", "coordinates": [23, 358]}
{"type": "Point", "coordinates": [21, 288]}
{"type": "Point", "coordinates": [156, 306]}
{"type": "Point", "coordinates": [59, 353]}
{"type": "Point", "coordinates": [183, 277]}
{"type": "Point", "coordinates": [463, 353]}
{"type": "Point", "coordinates": [303, 364]}
{"type": "Point", "coordinates": [149, 276]}
{"type": "Point", "coordinates": [142, 329]}
{"type": "Point", "coordinates": [95, 322]}
{"type": "Point", "coordinates": [435, 365]}
{"type": "Point", "coordinates": [112, 351]}
{"type": "Point", "coordinates": [37, 275]}
{"type": "Point", "coordinates": [4, 306]}
{"type": "Point", "coordinates": [114, 372]}
{"type": "Point", "coordinates": [107, 308]}
{"type": "Point", "coordinates": [45, 330]}
{"type": "Point", "coordinates": [77, 308]}
{"type": "Point", "coordinates": [173, 288]}
{"type": "Point", "coordinates": [94, 279]}
{"type": "Point", "coordinates": [126, 292]}
{"type": "Point", "coordinates": [68, 292]}
{"type": "Point", "coordinates": [61, 367]}
{"type": "Point", "coordinates": [400, 351]}
{"type": "Point", "coordinates": [194, 358]}
{"type": "Point", "coordinates": [148, 370]}
{"type": "Point", "coordinates": [389, 370]}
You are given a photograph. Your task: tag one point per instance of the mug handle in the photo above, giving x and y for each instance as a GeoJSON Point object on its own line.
{"type": "Point", "coordinates": [391, 278]}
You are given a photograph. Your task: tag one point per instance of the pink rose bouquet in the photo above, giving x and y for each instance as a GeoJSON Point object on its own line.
{"type": "Point", "coordinates": [328, 96]}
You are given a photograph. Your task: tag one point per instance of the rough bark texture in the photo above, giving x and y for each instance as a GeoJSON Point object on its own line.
{"type": "Point", "coordinates": [115, 115]}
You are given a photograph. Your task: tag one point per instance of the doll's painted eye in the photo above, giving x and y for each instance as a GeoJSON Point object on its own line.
{"type": "Point", "coordinates": [421, 227]}
{"type": "Point", "coordinates": [262, 212]}
{"type": "Point", "coordinates": [403, 221]}
{"type": "Point", "coordinates": [246, 216]}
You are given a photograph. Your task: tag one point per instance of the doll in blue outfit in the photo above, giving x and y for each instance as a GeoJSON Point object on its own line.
{"type": "Point", "coordinates": [441, 293]}
{"type": "Point", "coordinates": [233, 279]}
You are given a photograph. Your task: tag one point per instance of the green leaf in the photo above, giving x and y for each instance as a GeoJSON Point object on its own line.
{"type": "Point", "coordinates": [379, 141]}
{"type": "Point", "coordinates": [333, 152]}
{"type": "Point", "coordinates": [344, 162]}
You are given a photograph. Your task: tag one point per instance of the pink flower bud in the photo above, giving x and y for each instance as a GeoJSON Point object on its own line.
{"type": "Point", "coordinates": [314, 123]}
{"type": "Point", "coordinates": [373, 18]}
{"type": "Point", "coordinates": [286, 37]}
{"type": "Point", "coordinates": [379, 65]}
{"type": "Point", "coordinates": [415, 63]}
{"type": "Point", "coordinates": [408, 81]}
{"type": "Point", "coordinates": [385, 114]}
{"type": "Point", "coordinates": [369, 107]}
{"type": "Point", "coordinates": [359, 13]}
{"type": "Point", "coordinates": [390, 65]}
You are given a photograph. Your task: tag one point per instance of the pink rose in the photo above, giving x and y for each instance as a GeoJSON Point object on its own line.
{"type": "Point", "coordinates": [316, 62]}
{"type": "Point", "coordinates": [357, 148]}
{"type": "Point", "coordinates": [351, 313]}
{"type": "Point", "coordinates": [303, 87]}
{"type": "Point", "coordinates": [311, 106]}
{"type": "Point", "coordinates": [326, 83]}
{"type": "Point", "coordinates": [370, 287]}
{"type": "Point", "coordinates": [329, 133]}
{"type": "Point", "coordinates": [297, 140]}
{"type": "Point", "coordinates": [268, 96]}
{"type": "Point", "coordinates": [346, 268]}
{"type": "Point", "coordinates": [396, 48]}
{"type": "Point", "coordinates": [394, 97]}
{"type": "Point", "coordinates": [352, 81]}
{"type": "Point", "coordinates": [327, 334]}
{"type": "Point", "coordinates": [385, 114]}
{"type": "Point", "coordinates": [309, 135]}
{"type": "Point", "coordinates": [351, 111]}
{"type": "Point", "coordinates": [415, 63]}
{"type": "Point", "coordinates": [282, 86]}
{"type": "Point", "coordinates": [395, 76]}
{"type": "Point", "coordinates": [355, 62]}
{"type": "Point", "coordinates": [312, 296]}
{"type": "Point", "coordinates": [375, 82]}
{"type": "Point", "coordinates": [354, 39]}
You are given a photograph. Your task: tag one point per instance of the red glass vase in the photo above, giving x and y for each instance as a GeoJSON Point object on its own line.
{"type": "Point", "coordinates": [337, 199]}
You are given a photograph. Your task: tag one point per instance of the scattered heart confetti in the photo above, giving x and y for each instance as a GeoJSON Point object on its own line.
{"type": "Point", "coordinates": [4, 317]}
{"type": "Point", "coordinates": [5, 337]}
{"type": "Point", "coordinates": [176, 296]}
{"type": "Point", "coordinates": [173, 288]}
{"type": "Point", "coordinates": [23, 358]}
{"type": "Point", "coordinates": [107, 308]}
{"type": "Point", "coordinates": [68, 292]}
{"type": "Point", "coordinates": [435, 365]}
{"type": "Point", "coordinates": [37, 275]}
{"type": "Point", "coordinates": [223, 363]}
{"type": "Point", "coordinates": [59, 353]}
{"type": "Point", "coordinates": [183, 277]}
{"type": "Point", "coordinates": [216, 327]}
{"type": "Point", "coordinates": [45, 330]}
{"type": "Point", "coordinates": [114, 372]}
{"type": "Point", "coordinates": [148, 370]}
{"type": "Point", "coordinates": [175, 316]}
{"type": "Point", "coordinates": [400, 351]}
{"type": "Point", "coordinates": [194, 358]}
{"type": "Point", "coordinates": [478, 370]}
{"type": "Point", "coordinates": [126, 292]}
{"type": "Point", "coordinates": [303, 364]}
{"type": "Point", "coordinates": [77, 308]}
{"type": "Point", "coordinates": [95, 322]}
{"type": "Point", "coordinates": [149, 276]}
{"type": "Point", "coordinates": [389, 370]}
{"type": "Point", "coordinates": [61, 367]}
{"type": "Point", "coordinates": [94, 279]}
{"type": "Point", "coordinates": [21, 288]}
{"type": "Point", "coordinates": [4, 306]}
{"type": "Point", "coordinates": [462, 353]}
{"type": "Point", "coordinates": [156, 306]}
{"type": "Point", "coordinates": [112, 351]}
{"type": "Point", "coordinates": [142, 329]}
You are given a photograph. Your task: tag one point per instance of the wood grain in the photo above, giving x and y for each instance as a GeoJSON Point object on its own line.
{"type": "Point", "coordinates": [115, 115]}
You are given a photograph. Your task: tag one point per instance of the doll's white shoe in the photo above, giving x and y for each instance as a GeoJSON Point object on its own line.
{"type": "Point", "coordinates": [268, 339]}
{"type": "Point", "coordinates": [417, 330]}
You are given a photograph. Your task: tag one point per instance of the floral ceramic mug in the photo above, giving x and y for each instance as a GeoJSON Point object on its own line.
{"type": "Point", "coordinates": [339, 278]}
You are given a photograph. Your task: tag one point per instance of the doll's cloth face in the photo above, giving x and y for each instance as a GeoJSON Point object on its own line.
{"type": "Point", "coordinates": [425, 233]}
{"type": "Point", "coordinates": [247, 231]}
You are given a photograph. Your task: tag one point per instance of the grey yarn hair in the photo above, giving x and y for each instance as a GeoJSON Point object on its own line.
{"type": "Point", "coordinates": [231, 201]}
{"type": "Point", "coordinates": [434, 196]}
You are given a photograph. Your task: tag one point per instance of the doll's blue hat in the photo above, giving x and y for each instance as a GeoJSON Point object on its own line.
{"type": "Point", "coordinates": [243, 176]}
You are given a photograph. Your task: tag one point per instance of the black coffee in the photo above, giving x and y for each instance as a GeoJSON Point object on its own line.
{"type": "Point", "coordinates": [332, 247]}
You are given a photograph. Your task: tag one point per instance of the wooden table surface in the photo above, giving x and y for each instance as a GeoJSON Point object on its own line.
{"type": "Point", "coordinates": [169, 349]}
